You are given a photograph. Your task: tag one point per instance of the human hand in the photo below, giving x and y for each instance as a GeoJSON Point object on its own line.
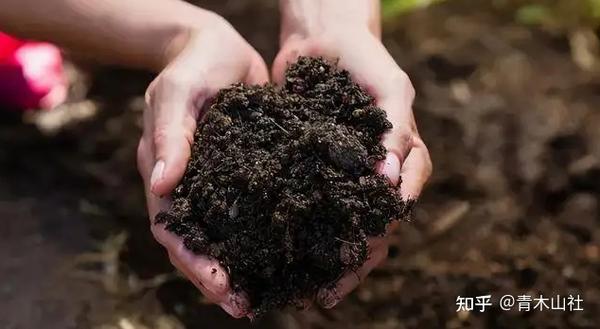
{"type": "Point", "coordinates": [352, 37]}
{"type": "Point", "coordinates": [203, 60]}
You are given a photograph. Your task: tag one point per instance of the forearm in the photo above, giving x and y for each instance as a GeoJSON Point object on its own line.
{"type": "Point", "coordinates": [305, 18]}
{"type": "Point", "coordinates": [140, 33]}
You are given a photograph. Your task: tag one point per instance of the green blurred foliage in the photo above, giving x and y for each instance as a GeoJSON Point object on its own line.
{"type": "Point", "coordinates": [392, 8]}
{"type": "Point", "coordinates": [557, 13]}
{"type": "Point", "coordinates": [533, 14]}
{"type": "Point", "coordinates": [546, 13]}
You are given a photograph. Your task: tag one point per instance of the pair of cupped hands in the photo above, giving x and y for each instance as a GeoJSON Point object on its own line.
{"type": "Point", "coordinates": [216, 56]}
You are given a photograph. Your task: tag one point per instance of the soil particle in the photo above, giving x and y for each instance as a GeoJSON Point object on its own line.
{"type": "Point", "coordinates": [281, 186]}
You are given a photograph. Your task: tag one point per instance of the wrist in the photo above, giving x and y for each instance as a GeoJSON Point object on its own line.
{"type": "Point", "coordinates": [188, 25]}
{"type": "Point", "coordinates": [306, 19]}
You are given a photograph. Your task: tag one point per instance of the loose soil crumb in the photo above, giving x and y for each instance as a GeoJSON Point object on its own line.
{"type": "Point", "coordinates": [281, 187]}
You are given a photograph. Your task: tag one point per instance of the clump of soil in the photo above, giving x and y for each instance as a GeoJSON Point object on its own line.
{"type": "Point", "coordinates": [282, 188]}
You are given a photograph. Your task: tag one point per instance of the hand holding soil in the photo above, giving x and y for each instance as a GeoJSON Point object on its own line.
{"type": "Point", "coordinates": [177, 97]}
{"type": "Point", "coordinates": [199, 53]}
{"type": "Point", "coordinates": [353, 39]}
{"type": "Point", "coordinates": [211, 57]}
{"type": "Point", "coordinates": [282, 188]}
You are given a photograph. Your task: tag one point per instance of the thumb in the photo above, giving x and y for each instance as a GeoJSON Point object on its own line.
{"type": "Point", "coordinates": [174, 106]}
{"type": "Point", "coordinates": [288, 54]}
{"type": "Point", "coordinates": [407, 164]}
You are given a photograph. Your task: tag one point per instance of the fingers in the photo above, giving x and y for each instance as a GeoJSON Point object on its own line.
{"type": "Point", "coordinates": [174, 104]}
{"type": "Point", "coordinates": [235, 305]}
{"type": "Point", "coordinates": [398, 108]}
{"type": "Point", "coordinates": [412, 174]}
{"type": "Point", "coordinates": [407, 161]}
{"type": "Point", "coordinates": [328, 298]}
{"type": "Point", "coordinates": [286, 56]}
{"type": "Point", "coordinates": [390, 167]}
{"type": "Point", "coordinates": [258, 73]}
{"type": "Point", "coordinates": [145, 161]}
{"type": "Point", "coordinates": [416, 170]}
{"type": "Point", "coordinates": [176, 98]}
{"type": "Point", "coordinates": [409, 164]}
{"type": "Point", "coordinates": [188, 274]}
{"type": "Point", "coordinates": [204, 272]}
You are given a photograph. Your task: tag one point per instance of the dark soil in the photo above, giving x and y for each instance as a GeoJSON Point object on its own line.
{"type": "Point", "coordinates": [282, 180]}
{"type": "Point", "coordinates": [513, 206]}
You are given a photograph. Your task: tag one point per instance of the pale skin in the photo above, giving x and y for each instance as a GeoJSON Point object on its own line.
{"type": "Point", "coordinates": [196, 53]}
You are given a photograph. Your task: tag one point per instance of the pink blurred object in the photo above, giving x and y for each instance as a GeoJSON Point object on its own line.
{"type": "Point", "coordinates": [31, 74]}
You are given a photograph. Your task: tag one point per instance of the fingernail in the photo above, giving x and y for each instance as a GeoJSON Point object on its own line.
{"type": "Point", "coordinates": [391, 168]}
{"type": "Point", "coordinates": [327, 298]}
{"type": "Point", "coordinates": [239, 302]}
{"type": "Point", "coordinates": [157, 173]}
{"type": "Point", "coordinates": [235, 305]}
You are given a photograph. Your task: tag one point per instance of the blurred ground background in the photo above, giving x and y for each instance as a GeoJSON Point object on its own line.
{"type": "Point", "coordinates": [508, 102]}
